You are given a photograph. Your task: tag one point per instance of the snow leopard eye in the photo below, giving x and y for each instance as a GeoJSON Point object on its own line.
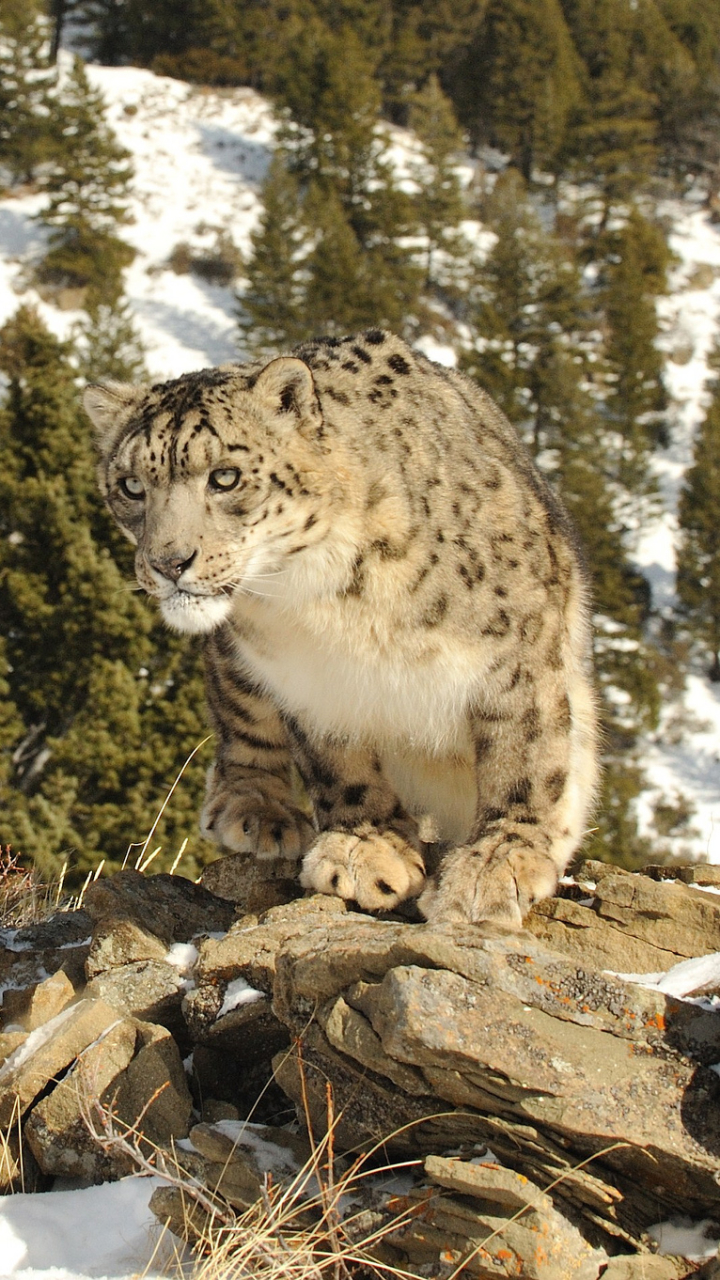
{"type": "Point", "coordinates": [224, 478]}
{"type": "Point", "coordinates": [132, 487]}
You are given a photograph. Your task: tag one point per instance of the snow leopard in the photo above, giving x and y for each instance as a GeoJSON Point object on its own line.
{"type": "Point", "coordinates": [393, 606]}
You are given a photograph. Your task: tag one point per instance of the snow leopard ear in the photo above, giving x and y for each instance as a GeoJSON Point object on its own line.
{"type": "Point", "coordinates": [286, 386]}
{"type": "Point", "coordinates": [108, 405]}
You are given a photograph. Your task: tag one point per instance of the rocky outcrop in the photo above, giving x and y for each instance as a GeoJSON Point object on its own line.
{"type": "Point", "coordinates": [551, 1108]}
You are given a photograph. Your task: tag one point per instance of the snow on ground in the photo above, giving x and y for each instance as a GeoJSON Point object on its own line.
{"type": "Point", "coordinates": [199, 158]}
{"type": "Point", "coordinates": [105, 1231]}
{"type": "Point", "coordinates": [683, 760]}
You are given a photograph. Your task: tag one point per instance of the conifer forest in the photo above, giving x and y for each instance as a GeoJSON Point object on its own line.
{"type": "Point", "coordinates": [490, 179]}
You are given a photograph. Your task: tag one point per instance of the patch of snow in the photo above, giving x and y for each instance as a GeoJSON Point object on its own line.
{"type": "Point", "coordinates": [104, 1231]}
{"type": "Point", "coordinates": [437, 351]}
{"type": "Point", "coordinates": [239, 992]}
{"type": "Point", "coordinates": [182, 956]}
{"type": "Point", "coordinates": [683, 1238]}
{"type": "Point", "coordinates": [270, 1157]}
{"type": "Point", "coordinates": [8, 940]}
{"type": "Point", "coordinates": [682, 979]}
{"type": "Point", "coordinates": [35, 1041]}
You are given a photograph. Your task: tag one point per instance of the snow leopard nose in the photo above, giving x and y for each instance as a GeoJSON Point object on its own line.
{"type": "Point", "coordinates": [173, 567]}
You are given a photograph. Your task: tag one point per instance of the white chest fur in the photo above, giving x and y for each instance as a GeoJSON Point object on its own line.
{"type": "Point", "coordinates": [364, 692]}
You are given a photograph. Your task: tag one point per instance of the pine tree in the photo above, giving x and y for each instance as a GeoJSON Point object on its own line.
{"type": "Point", "coordinates": [520, 82]}
{"type": "Point", "coordinates": [107, 344]}
{"type": "Point", "coordinates": [329, 251]}
{"type": "Point", "coordinates": [439, 206]}
{"type": "Point", "coordinates": [527, 312]}
{"type": "Point", "coordinates": [698, 556]}
{"type": "Point", "coordinates": [26, 83]}
{"type": "Point", "coordinates": [105, 706]}
{"type": "Point", "coordinates": [271, 301]}
{"type": "Point", "coordinates": [637, 400]}
{"type": "Point", "coordinates": [88, 185]}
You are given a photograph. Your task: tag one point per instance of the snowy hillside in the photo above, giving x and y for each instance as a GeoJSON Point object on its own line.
{"type": "Point", "coordinates": [199, 158]}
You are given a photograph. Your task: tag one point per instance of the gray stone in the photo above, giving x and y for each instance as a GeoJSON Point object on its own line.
{"type": "Point", "coordinates": [121, 942]}
{"type": "Point", "coordinates": [56, 1129]}
{"type": "Point", "coordinates": [147, 990]}
{"type": "Point", "coordinates": [251, 884]}
{"type": "Point", "coordinates": [170, 907]}
{"type": "Point", "coordinates": [47, 1052]}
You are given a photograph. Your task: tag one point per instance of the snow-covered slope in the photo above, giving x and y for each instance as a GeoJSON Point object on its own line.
{"type": "Point", "coordinates": [199, 158]}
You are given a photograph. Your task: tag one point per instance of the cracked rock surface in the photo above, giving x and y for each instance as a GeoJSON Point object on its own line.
{"type": "Point", "coordinates": [551, 1108]}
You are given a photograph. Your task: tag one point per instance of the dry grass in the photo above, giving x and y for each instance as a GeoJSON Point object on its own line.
{"type": "Point", "coordinates": [25, 898]}
{"type": "Point", "coordinates": [326, 1223]}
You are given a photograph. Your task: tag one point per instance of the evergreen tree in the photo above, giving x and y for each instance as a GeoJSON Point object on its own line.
{"type": "Point", "coordinates": [520, 82]}
{"type": "Point", "coordinates": [439, 206]}
{"type": "Point", "coordinates": [88, 185]}
{"type": "Point", "coordinates": [329, 251]}
{"type": "Point", "coordinates": [107, 344]}
{"type": "Point", "coordinates": [636, 400]}
{"type": "Point", "coordinates": [690, 99]}
{"type": "Point", "coordinates": [26, 82]}
{"type": "Point", "coordinates": [271, 301]}
{"type": "Point", "coordinates": [104, 706]}
{"type": "Point", "coordinates": [698, 556]}
{"type": "Point", "coordinates": [526, 311]}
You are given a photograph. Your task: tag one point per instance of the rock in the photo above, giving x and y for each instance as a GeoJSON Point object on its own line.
{"type": "Point", "coordinates": [238, 1156]}
{"type": "Point", "coordinates": [147, 990]}
{"type": "Point", "coordinates": [579, 932]}
{"type": "Point", "coordinates": [503, 1226]}
{"type": "Point", "coordinates": [648, 1266]}
{"type": "Point", "coordinates": [488, 1182]}
{"type": "Point", "coordinates": [48, 999]}
{"type": "Point", "coordinates": [250, 947]}
{"type": "Point", "coordinates": [169, 907]}
{"type": "Point", "coordinates": [9, 1042]}
{"type": "Point", "coordinates": [702, 873]}
{"type": "Point", "coordinates": [179, 1213]}
{"type": "Point", "coordinates": [47, 1052]}
{"type": "Point", "coordinates": [672, 916]}
{"type": "Point", "coordinates": [62, 931]}
{"type": "Point", "coordinates": [56, 1130]}
{"type": "Point", "coordinates": [120, 942]}
{"type": "Point", "coordinates": [247, 955]}
{"type": "Point", "coordinates": [29, 955]}
{"type": "Point", "coordinates": [593, 1093]}
{"type": "Point", "coordinates": [134, 1069]}
{"type": "Point", "coordinates": [631, 923]}
{"type": "Point", "coordinates": [153, 1091]}
{"type": "Point", "coordinates": [254, 886]}
{"type": "Point", "coordinates": [518, 1034]}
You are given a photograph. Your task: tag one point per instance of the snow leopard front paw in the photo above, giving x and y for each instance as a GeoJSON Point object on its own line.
{"type": "Point", "coordinates": [499, 884]}
{"type": "Point", "coordinates": [376, 869]}
{"type": "Point", "coordinates": [249, 822]}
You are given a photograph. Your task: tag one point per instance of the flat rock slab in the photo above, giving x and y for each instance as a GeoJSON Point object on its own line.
{"type": "Point", "coordinates": [46, 1053]}
{"type": "Point", "coordinates": [169, 907]}
{"type": "Point", "coordinates": [516, 1033]}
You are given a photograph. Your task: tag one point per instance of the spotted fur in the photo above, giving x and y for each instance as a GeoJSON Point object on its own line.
{"type": "Point", "coordinates": [393, 606]}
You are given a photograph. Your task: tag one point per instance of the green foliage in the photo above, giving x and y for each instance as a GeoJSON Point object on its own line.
{"type": "Point", "coordinates": [272, 297]}
{"type": "Point", "coordinates": [440, 205]}
{"type": "Point", "coordinates": [107, 344]}
{"type": "Point", "coordinates": [328, 255]}
{"type": "Point", "coordinates": [26, 83]}
{"type": "Point", "coordinates": [102, 707]}
{"type": "Point", "coordinates": [527, 315]}
{"type": "Point", "coordinates": [698, 560]}
{"type": "Point", "coordinates": [521, 82]}
{"type": "Point", "coordinates": [637, 400]}
{"type": "Point", "coordinates": [88, 183]}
